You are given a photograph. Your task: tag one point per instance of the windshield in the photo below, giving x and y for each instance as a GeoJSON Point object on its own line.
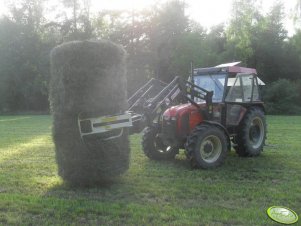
{"type": "Point", "coordinates": [212, 82]}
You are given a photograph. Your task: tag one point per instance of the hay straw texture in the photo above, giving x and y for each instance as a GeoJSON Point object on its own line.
{"type": "Point", "coordinates": [89, 77]}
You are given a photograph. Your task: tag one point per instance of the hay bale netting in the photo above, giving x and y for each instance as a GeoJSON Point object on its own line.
{"type": "Point", "coordinates": [87, 76]}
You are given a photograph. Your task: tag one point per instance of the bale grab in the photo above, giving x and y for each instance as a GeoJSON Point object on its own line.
{"type": "Point", "coordinates": [88, 79]}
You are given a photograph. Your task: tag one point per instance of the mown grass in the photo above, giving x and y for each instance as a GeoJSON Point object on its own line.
{"type": "Point", "coordinates": [150, 193]}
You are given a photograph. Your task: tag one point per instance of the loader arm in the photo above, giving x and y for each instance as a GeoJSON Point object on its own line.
{"type": "Point", "coordinates": [146, 106]}
{"type": "Point", "coordinates": [177, 91]}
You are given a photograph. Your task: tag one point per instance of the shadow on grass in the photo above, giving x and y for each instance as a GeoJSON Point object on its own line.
{"type": "Point", "coordinates": [235, 169]}
{"type": "Point", "coordinates": [153, 181]}
{"type": "Point", "coordinates": [163, 184]}
{"type": "Point", "coordinates": [114, 191]}
{"type": "Point", "coordinates": [231, 162]}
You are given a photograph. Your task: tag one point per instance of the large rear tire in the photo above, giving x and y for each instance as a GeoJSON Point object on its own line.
{"type": "Point", "coordinates": [154, 148]}
{"type": "Point", "coordinates": [206, 147]}
{"type": "Point", "coordinates": [251, 134]}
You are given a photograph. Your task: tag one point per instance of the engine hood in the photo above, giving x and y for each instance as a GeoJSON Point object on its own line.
{"type": "Point", "coordinates": [180, 109]}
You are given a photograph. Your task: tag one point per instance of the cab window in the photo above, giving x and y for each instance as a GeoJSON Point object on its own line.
{"type": "Point", "coordinates": [212, 82]}
{"type": "Point", "coordinates": [244, 88]}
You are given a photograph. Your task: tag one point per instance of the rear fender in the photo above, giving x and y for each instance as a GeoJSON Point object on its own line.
{"type": "Point", "coordinates": [257, 105]}
{"type": "Point", "coordinates": [261, 106]}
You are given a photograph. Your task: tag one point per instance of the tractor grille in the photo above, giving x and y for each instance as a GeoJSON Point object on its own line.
{"type": "Point", "coordinates": [184, 130]}
{"type": "Point", "coordinates": [169, 128]}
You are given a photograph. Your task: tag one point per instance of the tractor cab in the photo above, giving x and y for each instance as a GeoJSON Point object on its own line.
{"type": "Point", "coordinates": [229, 83]}
{"type": "Point", "coordinates": [234, 90]}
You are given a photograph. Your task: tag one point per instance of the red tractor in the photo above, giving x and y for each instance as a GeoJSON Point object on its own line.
{"type": "Point", "coordinates": [217, 108]}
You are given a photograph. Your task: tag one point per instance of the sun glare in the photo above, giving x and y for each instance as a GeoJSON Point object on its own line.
{"type": "Point", "coordinates": [206, 12]}
{"type": "Point", "coordinates": [124, 4]}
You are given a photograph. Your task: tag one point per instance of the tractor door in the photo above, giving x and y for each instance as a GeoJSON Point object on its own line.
{"type": "Point", "coordinates": [216, 83]}
{"type": "Point", "coordinates": [243, 92]}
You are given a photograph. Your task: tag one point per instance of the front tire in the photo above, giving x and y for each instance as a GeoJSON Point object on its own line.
{"type": "Point", "coordinates": [206, 147]}
{"type": "Point", "coordinates": [154, 148]}
{"type": "Point", "coordinates": [251, 134]}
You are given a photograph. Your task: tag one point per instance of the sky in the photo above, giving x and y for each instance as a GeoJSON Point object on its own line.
{"type": "Point", "coordinates": [206, 12]}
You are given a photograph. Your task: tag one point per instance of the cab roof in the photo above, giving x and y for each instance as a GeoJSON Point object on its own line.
{"type": "Point", "coordinates": [228, 67]}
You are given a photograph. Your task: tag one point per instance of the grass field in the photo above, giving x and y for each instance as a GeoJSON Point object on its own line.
{"type": "Point", "coordinates": [150, 193]}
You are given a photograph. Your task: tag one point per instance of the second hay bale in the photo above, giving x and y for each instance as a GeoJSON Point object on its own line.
{"type": "Point", "coordinates": [87, 77]}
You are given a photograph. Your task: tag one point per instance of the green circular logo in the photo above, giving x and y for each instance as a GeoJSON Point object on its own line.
{"type": "Point", "coordinates": [282, 215]}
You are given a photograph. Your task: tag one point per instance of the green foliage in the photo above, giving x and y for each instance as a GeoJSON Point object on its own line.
{"type": "Point", "coordinates": [199, 47]}
{"type": "Point", "coordinates": [23, 60]}
{"type": "Point", "coordinates": [168, 23]}
{"type": "Point", "coordinates": [259, 40]}
{"type": "Point", "coordinates": [297, 83]}
{"type": "Point", "coordinates": [130, 30]}
{"type": "Point", "coordinates": [160, 41]}
{"type": "Point", "coordinates": [272, 57]}
{"type": "Point", "coordinates": [87, 78]}
{"type": "Point", "coordinates": [281, 97]}
{"type": "Point", "coordinates": [245, 16]}
{"type": "Point", "coordinates": [295, 44]}
{"type": "Point", "coordinates": [151, 192]}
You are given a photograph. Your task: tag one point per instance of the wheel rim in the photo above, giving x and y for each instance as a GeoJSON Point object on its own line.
{"type": "Point", "coordinates": [256, 132]}
{"type": "Point", "coordinates": [211, 149]}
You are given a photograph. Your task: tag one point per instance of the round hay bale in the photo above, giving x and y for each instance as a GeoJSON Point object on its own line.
{"type": "Point", "coordinates": [87, 77]}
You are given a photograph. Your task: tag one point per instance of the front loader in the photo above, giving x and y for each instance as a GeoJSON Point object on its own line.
{"type": "Point", "coordinates": [218, 108]}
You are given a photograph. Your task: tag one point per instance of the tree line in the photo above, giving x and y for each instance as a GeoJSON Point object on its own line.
{"type": "Point", "coordinates": [160, 41]}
